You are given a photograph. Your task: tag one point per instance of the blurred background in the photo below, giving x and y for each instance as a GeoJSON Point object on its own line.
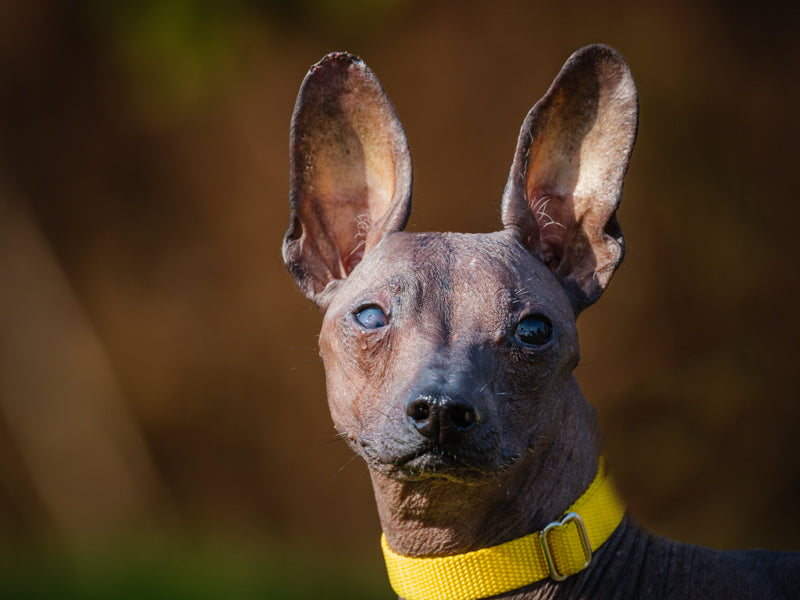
{"type": "Point", "coordinates": [163, 423]}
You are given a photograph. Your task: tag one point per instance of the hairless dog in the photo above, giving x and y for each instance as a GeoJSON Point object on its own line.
{"type": "Point", "coordinates": [449, 357]}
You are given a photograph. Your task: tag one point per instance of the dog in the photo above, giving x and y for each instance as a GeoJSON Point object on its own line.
{"type": "Point", "coordinates": [449, 357]}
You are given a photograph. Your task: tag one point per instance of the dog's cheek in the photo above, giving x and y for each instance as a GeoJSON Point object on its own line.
{"type": "Point", "coordinates": [341, 386]}
{"type": "Point", "coordinates": [528, 376]}
{"type": "Point", "coordinates": [341, 400]}
{"type": "Point", "coordinates": [354, 390]}
{"type": "Point", "coordinates": [528, 401]}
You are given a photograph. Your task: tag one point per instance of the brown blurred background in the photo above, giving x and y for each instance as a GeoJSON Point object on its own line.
{"type": "Point", "coordinates": [159, 375]}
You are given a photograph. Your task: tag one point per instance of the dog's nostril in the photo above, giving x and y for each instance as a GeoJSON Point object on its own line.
{"type": "Point", "coordinates": [419, 411]}
{"type": "Point", "coordinates": [425, 417]}
{"type": "Point", "coordinates": [463, 416]}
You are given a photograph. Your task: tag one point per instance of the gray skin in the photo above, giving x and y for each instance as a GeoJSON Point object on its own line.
{"type": "Point", "coordinates": [473, 432]}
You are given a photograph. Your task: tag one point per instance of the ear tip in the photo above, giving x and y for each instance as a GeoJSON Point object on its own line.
{"type": "Point", "coordinates": [595, 51]}
{"type": "Point", "coordinates": [609, 64]}
{"type": "Point", "coordinates": [329, 75]}
{"type": "Point", "coordinates": [334, 70]}
{"type": "Point", "coordinates": [602, 56]}
{"type": "Point", "coordinates": [336, 60]}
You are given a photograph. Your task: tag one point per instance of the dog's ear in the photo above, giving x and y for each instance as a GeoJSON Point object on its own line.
{"type": "Point", "coordinates": [350, 173]}
{"type": "Point", "coordinates": [566, 180]}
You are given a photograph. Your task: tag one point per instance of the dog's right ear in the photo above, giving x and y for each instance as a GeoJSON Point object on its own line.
{"type": "Point", "coordinates": [350, 174]}
{"type": "Point", "coordinates": [566, 181]}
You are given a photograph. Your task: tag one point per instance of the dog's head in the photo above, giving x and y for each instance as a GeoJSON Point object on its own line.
{"type": "Point", "coordinates": [446, 354]}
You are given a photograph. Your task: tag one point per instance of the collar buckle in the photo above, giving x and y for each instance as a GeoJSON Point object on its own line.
{"type": "Point", "coordinates": [548, 551]}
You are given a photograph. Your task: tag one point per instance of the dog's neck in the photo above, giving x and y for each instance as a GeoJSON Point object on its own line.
{"type": "Point", "coordinates": [435, 516]}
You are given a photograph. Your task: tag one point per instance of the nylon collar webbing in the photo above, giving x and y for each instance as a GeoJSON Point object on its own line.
{"type": "Point", "coordinates": [561, 549]}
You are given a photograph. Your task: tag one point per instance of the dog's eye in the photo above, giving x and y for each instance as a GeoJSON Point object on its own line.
{"type": "Point", "coordinates": [371, 317]}
{"type": "Point", "coordinates": [535, 330]}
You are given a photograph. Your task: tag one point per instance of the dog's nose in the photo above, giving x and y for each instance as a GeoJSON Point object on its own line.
{"type": "Point", "coordinates": [442, 420]}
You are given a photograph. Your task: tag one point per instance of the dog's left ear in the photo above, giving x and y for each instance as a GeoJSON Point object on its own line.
{"type": "Point", "coordinates": [566, 180]}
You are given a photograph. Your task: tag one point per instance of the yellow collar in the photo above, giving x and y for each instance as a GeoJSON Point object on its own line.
{"type": "Point", "coordinates": [561, 549]}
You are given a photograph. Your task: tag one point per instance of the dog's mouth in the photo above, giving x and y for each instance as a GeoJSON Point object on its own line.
{"type": "Point", "coordinates": [438, 463]}
{"type": "Point", "coordinates": [433, 462]}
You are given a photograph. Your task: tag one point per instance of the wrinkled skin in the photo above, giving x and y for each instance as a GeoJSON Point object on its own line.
{"type": "Point", "coordinates": [453, 301]}
{"type": "Point", "coordinates": [449, 357]}
{"type": "Point", "coordinates": [459, 343]}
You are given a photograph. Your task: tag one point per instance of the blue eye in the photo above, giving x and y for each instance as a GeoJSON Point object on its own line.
{"type": "Point", "coordinates": [371, 317]}
{"type": "Point", "coordinates": [535, 330]}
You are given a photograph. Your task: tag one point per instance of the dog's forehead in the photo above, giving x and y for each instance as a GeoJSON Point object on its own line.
{"type": "Point", "coordinates": [477, 267]}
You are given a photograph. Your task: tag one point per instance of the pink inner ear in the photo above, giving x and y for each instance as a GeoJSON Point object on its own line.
{"type": "Point", "coordinates": [351, 172]}
{"type": "Point", "coordinates": [566, 178]}
{"type": "Point", "coordinates": [555, 219]}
